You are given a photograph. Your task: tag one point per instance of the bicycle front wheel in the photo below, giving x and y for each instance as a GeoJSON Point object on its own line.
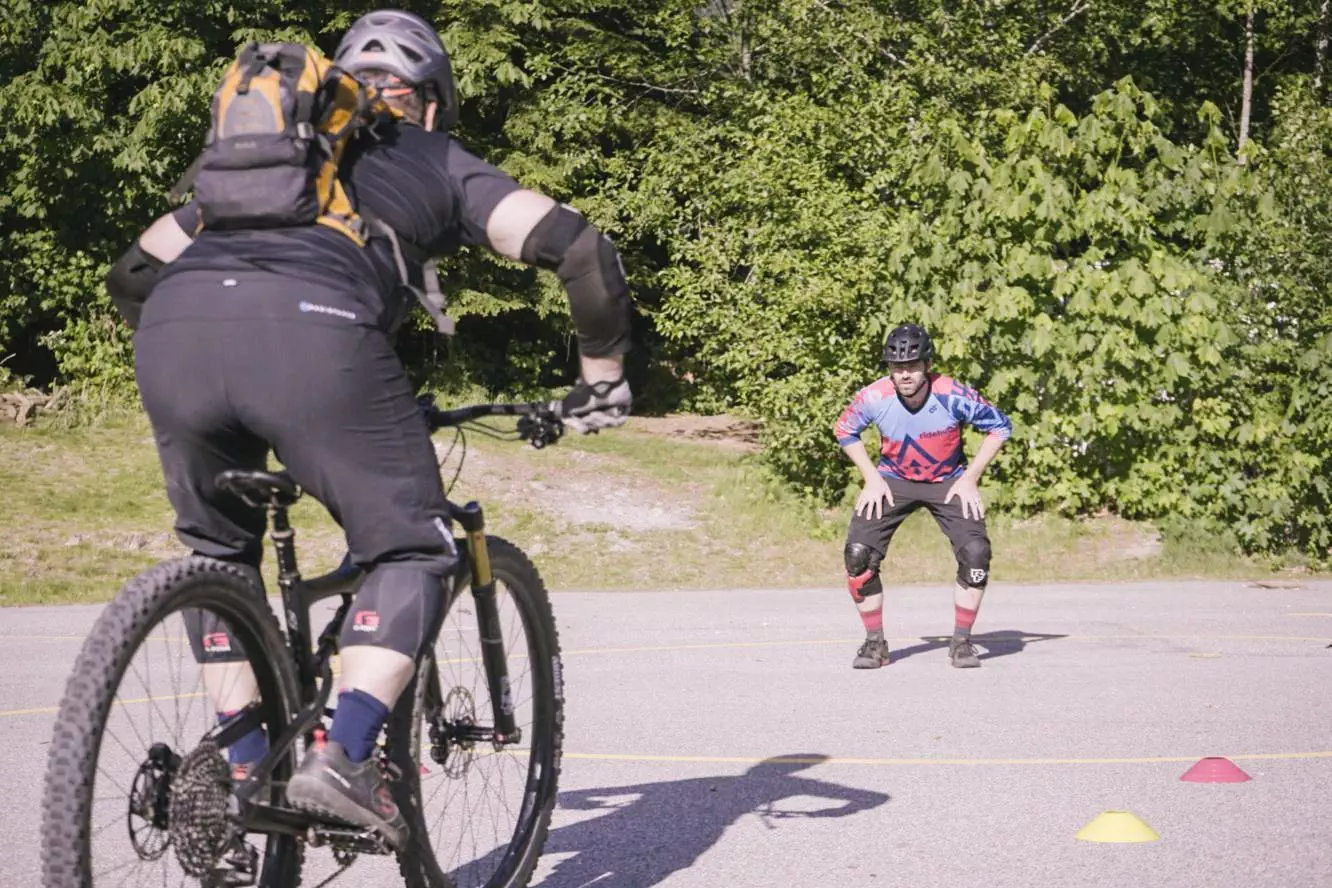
{"type": "Point", "coordinates": [133, 795]}
{"type": "Point", "coordinates": [480, 807]}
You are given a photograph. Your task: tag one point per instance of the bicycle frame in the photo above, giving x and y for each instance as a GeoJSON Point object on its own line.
{"type": "Point", "coordinates": [314, 667]}
{"type": "Point", "coordinates": [539, 425]}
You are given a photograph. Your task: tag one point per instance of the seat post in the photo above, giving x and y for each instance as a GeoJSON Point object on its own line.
{"type": "Point", "coordinates": [283, 537]}
{"type": "Point", "coordinates": [293, 600]}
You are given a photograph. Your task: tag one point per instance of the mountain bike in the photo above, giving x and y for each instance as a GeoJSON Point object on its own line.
{"type": "Point", "coordinates": [140, 792]}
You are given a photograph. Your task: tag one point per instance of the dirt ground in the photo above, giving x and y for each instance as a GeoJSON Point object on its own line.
{"type": "Point", "coordinates": [725, 431]}
{"type": "Point", "coordinates": [587, 495]}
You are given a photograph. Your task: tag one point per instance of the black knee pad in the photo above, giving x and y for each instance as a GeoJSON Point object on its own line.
{"type": "Point", "coordinates": [398, 607]}
{"type": "Point", "coordinates": [862, 571]}
{"type": "Point", "coordinates": [973, 563]}
{"type": "Point", "coordinates": [210, 639]}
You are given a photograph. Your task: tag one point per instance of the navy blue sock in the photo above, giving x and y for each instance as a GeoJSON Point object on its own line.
{"type": "Point", "coordinates": [248, 749]}
{"type": "Point", "coordinates": [356, 723]}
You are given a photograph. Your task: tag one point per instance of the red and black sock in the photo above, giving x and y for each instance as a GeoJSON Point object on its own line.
{"type": "Point", "coordinates": [963, 620]}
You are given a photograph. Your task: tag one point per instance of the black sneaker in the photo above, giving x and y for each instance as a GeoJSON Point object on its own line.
{"type": "Point", "coordinates": [328, 784]}
{"type": "Point", "coordinates": [872, 654]}
{"type": "Point", "coordinates": [962, 652]}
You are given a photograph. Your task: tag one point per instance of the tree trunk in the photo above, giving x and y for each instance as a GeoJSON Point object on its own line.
{"type": "Point", "coordinates": [1246, 101]}
{"type": "Point", "coordinates": [1320, 45]}
{"type": "Point", "coordinates": [736, 14]}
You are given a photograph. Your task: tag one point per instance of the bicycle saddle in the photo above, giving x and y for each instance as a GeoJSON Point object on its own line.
{"type": "Point", "coordinates": [260, 488]}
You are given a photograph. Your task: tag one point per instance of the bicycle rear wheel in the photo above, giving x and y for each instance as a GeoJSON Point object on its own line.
{"type": "Point", "coordinates": [482, 808]}
{"type": "Point", "coordinates": [132, 796]}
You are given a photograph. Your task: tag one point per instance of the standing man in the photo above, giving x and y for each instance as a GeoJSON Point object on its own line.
{"type": "Point", "coordinates": [919, 416]}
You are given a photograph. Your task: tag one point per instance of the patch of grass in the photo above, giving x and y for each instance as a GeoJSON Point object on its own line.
{"type": "Point", "coordinates": [86, 510]}
{"type": "Point", "coordinates": [104, 475]}
{"type": "Point", "coordinates": [752, 532]}
{"type": "Point", "coordinates": [52, 574]}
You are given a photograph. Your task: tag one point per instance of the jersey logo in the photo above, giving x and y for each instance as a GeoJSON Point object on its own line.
{"type": "Point", "coordinates": [912, 448]}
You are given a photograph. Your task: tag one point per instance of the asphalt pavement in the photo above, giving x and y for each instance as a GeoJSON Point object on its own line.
{"type": "Point", "coordinates": [722, 739]}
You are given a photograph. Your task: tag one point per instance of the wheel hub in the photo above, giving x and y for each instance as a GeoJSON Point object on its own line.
{"type": "Point", "coordinates": [452, 746]}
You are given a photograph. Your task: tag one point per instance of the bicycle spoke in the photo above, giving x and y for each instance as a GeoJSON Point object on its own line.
{"type": "Point", "coordinates": [152, 702]}
{"type": "Point", "coordinates": [175, 679]}
{"type": "Point", "coordinates": [477, 807]}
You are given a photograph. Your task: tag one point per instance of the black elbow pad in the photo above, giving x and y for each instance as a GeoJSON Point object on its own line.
{"type": "Point", "coordinates": [131, 281]}
{"type": "Point", "coordinates": [589, 267]}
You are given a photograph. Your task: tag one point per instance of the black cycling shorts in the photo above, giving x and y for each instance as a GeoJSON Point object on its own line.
{"type": "Point", "coordinates": [908, 496]}
{"type": "Point", "coordinates": [226, 377]}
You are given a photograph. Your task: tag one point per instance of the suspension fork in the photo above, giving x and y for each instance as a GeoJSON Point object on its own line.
{"type": "Point", "coordinates": [473, 523]}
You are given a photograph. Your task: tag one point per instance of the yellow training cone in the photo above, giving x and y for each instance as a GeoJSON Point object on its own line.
{"type": "Point", "coordinates": [1117, 826]}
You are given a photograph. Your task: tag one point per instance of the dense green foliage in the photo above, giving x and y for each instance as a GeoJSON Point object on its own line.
{"type": "Point", "coordinates": [1058, 190]}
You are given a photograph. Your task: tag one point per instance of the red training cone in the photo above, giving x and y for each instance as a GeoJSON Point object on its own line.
{"type": "Point", "coordinates": [1215, 769]}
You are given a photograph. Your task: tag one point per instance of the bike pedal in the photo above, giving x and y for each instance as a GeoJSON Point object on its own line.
{"type": "Point", "coordinates": [349, 839]}
{"type": "Point", "coordinates": [239, 869]}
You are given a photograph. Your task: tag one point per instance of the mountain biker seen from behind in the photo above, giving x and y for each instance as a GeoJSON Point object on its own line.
{"type": "Point", "coordinates": [920, 415]}
{"type": "Point", "coordinates": [282, 339]}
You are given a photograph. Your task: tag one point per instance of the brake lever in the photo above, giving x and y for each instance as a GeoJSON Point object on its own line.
{"type": "Point", "coordinates": [541, 428]}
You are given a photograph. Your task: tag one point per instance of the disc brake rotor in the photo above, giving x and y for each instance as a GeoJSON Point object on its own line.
{"type": "Point", "coordinates": [149, 798]}
{"type": "Point", "coordinates": [458, 711]}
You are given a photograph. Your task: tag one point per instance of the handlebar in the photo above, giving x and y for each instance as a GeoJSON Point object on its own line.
{"type": "Point", "coordinates": [539, 422]}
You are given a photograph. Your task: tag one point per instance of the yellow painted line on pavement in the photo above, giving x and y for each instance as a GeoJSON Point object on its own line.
{"type": "Point", "coordinates": [47, 710]}
{"type": "Point", "coordinates": [1309, 615]}
{"type": "Point", "coordinates": [82, 637]}
{"type": "Point", "coordinates": [722, 645]}
{"type": "Point", "coordinates": [41, 710]}
{"type": "Point", "coordinates": [837, 760]}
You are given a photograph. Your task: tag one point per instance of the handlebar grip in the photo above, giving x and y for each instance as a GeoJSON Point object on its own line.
{"type": "Point", "coordinates": [437, 419]}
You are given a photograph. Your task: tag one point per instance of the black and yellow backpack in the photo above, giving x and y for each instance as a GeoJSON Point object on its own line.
{"type": "Point", "coordinates": [282, 118]}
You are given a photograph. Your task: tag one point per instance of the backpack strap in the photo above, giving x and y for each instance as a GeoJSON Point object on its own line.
{"type": "Point", "coordinates": [257, 62]}
{"type": "Point", "coordinates": [186, 181]}
{"type": "Point", "coordinates": [404, 251]}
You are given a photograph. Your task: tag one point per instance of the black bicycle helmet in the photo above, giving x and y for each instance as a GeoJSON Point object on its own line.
{"type": "Point", "coordinates": [407, 47]}
{"type": "Point", "coordinates": [906, 343]}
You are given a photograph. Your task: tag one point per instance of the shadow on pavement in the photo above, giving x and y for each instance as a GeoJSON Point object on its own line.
{"type": "Point", "coordinates": [996, 644]}
{"type": "Point", "coordinates": [666, 826]}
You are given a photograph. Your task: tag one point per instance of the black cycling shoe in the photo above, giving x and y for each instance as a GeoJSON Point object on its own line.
{"type": "Point", "coordinates": [872, 654]}
{"type": "Point", "coordinates": [962, 652]}
{"type": "Point", "coordinates": [330, 785]}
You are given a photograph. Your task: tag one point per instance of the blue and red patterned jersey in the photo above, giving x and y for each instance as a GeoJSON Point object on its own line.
{"type": "Point", "coordinates": [925, 445]}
